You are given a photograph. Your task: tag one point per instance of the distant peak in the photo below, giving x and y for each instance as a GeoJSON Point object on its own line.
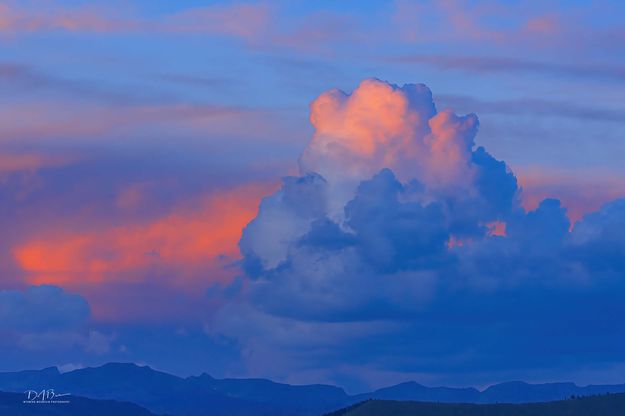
{"type": "Point", "coordinates": [524, 385]}
{"type": "Point", "coordinates": [404, 385]}
{"type": "Point", "coordinates": [512, 383]}
{"type": "Point", "coordinates": [120, 364]}
{"type": "Point", "coordinates": [410, 383]}
{"type": "Point", "coordinates": [203, 376]}
{"type": "Point", "coordinates": [124, 367]}
{"type": "Point", "coordinates": [50, 370]}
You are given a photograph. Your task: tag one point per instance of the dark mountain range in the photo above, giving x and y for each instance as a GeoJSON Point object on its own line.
{"type": "Point", "coordinates": [164, 393]}
{"type": "Point", "coordinates": [606, 405]}
{"type": "Point", "coordinates": [511, 392]}
{"type": "Point", "coordinates": [199, 395]}
{"type": "Point", "coordinates": [12, 404]}
{"type": "Point", "coordinates": [313, 396]}
{"type": "Point", "coordinates": [415, 391]}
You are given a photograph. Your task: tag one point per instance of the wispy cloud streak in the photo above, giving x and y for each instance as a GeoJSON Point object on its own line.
{"type": "Point", "coordinates": [486, 65]}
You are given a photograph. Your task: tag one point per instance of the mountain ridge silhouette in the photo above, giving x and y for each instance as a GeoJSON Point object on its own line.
{"type": "Point", "coordinates": [161, 392]}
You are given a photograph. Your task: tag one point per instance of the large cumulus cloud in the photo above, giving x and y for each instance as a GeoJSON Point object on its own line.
{"type": "Point", "coordinates": [381, 126]}
{"type": "Point", "coordinates": [399, 219]}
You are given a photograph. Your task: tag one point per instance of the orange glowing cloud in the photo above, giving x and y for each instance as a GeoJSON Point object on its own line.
{"type": "Point", "coordinates": [380, 125]}
{"type": "Point", "coordinates": [191, 244]}
{"type": "Point", "coordinates": [493, 229]}
{"type": "Point", "coordinates": [351, 122]}
{"type": "Point", "coordinates": [496, 229]}
{"type": "Point", "coordinates": [450, 142]}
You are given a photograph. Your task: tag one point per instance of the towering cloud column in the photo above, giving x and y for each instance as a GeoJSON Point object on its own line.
{"type": "Point", "coordinates": [382, 126]}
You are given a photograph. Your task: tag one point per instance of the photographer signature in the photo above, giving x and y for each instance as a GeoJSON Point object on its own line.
{"type": "Point", "coordinates": [45, 395]}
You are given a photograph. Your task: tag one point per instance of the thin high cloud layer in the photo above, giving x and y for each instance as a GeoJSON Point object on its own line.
{"type": "Point", "coordinates": [238, 20]}
{"type": "Point", "coordinates": [484, 65]}
{"type": "Point", "coordinates": [398, 220]}
{"type": "Point", "coordinates": [270, 24]}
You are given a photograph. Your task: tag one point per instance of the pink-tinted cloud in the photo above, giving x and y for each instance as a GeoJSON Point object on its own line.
{"type": "Point", "coordinates": [547, 24]}
{"type": "Point", "coordinates": [490, 64]}
{"type": "Point", "coordinates": [207, 233]}
{"type": "Point", "coordinates": [15, 18]}
{"type": "Point", "coordinates": [37, 121]}
{"type": "Point", "coordinates": [474, 21]}
{"type": "Point", "coordinates": [580, 194]}
{"type": "Point", "coordinates": [259, 24]}
{"type": "Point", "coordinates": [12, 162]}
{"type": "Point", "coordinates": [389, 133]}
{"type": "Point", "coordinates": [380, 125]}
{"type": "Point", "coordinates": [496, 228]}
{"type": "Point", "coordinates": [188, 249]}
{"type": "Point", "coordinates": [274, 25]}
{"type": "Point", "coordinates": [529, 27]}
{"type": "Point", "coordinates": [244, 20]}
{"type": "Point", "coordinates": [462, 21]}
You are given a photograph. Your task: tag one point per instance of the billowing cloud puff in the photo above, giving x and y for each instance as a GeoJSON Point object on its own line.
{"type": "Point", "coordinates": [383, 126]}
{"type": "Point", "coordinates": [398, 218]}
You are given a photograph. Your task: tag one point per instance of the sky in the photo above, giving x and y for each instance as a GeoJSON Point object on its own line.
{"type": "Point", "coordinates": [358, 193]}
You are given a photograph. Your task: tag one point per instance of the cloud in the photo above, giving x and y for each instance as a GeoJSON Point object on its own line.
{"type": "Point", "coordinates": [72, 120]}
{"type": "Point", "coordinates": [535, 107]}
{"type": "Point", "coordinates": [350, 145]}
{"type": "Point", "coordinates": [491, 64]}
{"type": "Point", "coordinates": [89, 341]}
{"type": "Point", "coordinates": [105, 223]}
{"type": "Point", "coordinates": [381, 126]}
{"type": "Point", "coordinates": [30, 81]}
{"type": "Point", "coordinates": [398, 220]}
{"type": "Point", "coordinates": [15, 19]}
{"type": "Point", "coordinates": [50, 320]}
{"type": "Point", "coordinates": [41, 308]}
{"type": "Point", "coordinates": [257, 24]}
{"type": "Point", "coordinates": [182, 252]}
{"type": "Point", "coordinates": [534, 29]}
{"type": "Point", "coordinates": [16, 162]}
{"type": "Point", "coordinates": [243, 20]}
{"type": "Point", "coordinates": [580, 194]}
